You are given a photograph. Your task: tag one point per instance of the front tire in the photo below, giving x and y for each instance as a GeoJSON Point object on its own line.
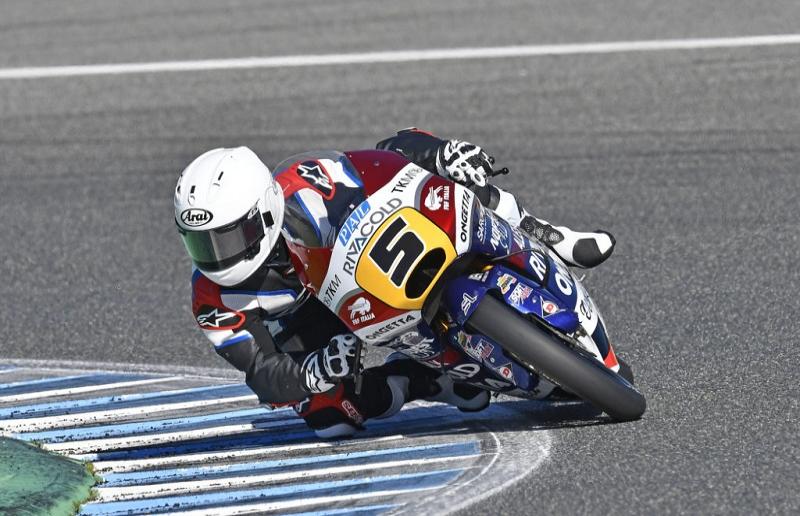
{"type": "Point", "coordinates": [544, 353]}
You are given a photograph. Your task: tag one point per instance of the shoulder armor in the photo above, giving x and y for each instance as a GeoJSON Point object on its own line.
{"type": "Point", "coordinates": [208, 309]}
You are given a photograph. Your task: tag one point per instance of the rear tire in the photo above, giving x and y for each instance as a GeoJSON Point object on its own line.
{"type": "Point", "coordinates": [544, 353]}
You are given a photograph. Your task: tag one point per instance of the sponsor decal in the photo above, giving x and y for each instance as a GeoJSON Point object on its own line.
{"type": "Point", "coordinates": [494, 383]}
{"type": "Point", "coordinates": [332, 288]}
{"type": "Point", "coordinates": [506, 372]}
{"type": "Point", "coordinates": [352, 221]}
{"type": "Point", "coordinates": [586, 308]}
{"type": "Point", "coordinates": [538, 264]}
{"type": "Point", "coordinates": [549, 308]}
{"type": "Point", "coordinates": [463, 371]}
{"type": "Point", "coordinates": [195, 217]}
{"type": "Point", "coordinates": [354, 414]}
{"type": "Point", "coordinates": [361, 311]}
{"type": "Point", "coordinates": [499, 236]}
{"type": "Point", "coordinates": [212, 318]}
{"type": "Point", "coordinates": [505, 282]}
{"type": "Point", "coordinates": [479, 276]}
{"type": "Point", "coordinates": [478, 348]}
{"type": "Point", "coordinates": [391, 327]}
{"type": "Point", "coordinates": [362, 234]}
{"type": "Point", "coordinates": [415, 345]}
{"type": "Point", "coordinates": [563, 280]}
{"type": "Point", "coordinates": [481, 230]}
{"type": "Point", "coordinates": [317, 177]}
{"type": "Point", "coordinates": [466, 201]}
{"type": "Point", "coordinates": [520, 294]}
{"type": "Point", "coordinates": [403, 181]}
{"type": "Point", "coordinates": [438, 197]}
{"type": "Point", "coordinates": [466, 302]}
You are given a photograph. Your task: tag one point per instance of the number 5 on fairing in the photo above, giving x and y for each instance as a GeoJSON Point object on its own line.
{"type": "Point", "coordinates": [403, 259]}
{"type": "Point", "coordinates": [408, 248]}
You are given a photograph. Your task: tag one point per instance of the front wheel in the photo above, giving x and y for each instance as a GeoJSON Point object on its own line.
{"type": "Point", "coordinates": [546, 354]}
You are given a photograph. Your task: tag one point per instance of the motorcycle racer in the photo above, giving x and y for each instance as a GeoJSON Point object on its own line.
{"type": "Point", "coordinates": [248, 300]}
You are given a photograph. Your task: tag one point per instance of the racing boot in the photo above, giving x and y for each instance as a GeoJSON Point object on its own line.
{"type": "Point", "coordinates": [578, 249]}
{"type": "Point", "coordinates": [469, 165]}
{"type": "Point", "coordinates": [410, 380]}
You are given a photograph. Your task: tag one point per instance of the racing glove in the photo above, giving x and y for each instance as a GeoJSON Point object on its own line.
{"type": "Point", "coordinates": [464, 162]}
{"type": "Point", "coordinates": [328, 366]}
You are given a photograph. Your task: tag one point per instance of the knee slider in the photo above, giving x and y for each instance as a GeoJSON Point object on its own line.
{"type": "Point", "coordinates": [398, 385]}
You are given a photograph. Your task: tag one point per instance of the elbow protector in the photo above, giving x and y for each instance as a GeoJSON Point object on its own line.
{"type": "Point", "coordinates": [239, 350]}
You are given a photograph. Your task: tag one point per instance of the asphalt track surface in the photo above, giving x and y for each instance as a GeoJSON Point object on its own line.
{"type": "Point", "coordinates": [690, 158]}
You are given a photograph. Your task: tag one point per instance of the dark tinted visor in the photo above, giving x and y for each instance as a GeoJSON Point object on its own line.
{"type": "Point", "coordinates": [220, 248]}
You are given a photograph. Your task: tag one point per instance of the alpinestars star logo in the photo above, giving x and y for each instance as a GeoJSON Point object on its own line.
{"type": "Point", "coordinates": [216, 319]}
{"type": "Point", "coordinates": [317, 177]}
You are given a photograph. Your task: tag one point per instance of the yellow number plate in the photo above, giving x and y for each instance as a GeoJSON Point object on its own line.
{"type": "Point", "coordinates": [394, 252]}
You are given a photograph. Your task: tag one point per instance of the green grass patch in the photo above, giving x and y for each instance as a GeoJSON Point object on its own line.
{"type": "Point", "coordinates": [36, 482]}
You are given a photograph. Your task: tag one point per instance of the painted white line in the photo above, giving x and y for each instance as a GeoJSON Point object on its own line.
{"type": "Point", "coordinates": [88, 418]}
{"type": "Point", "coordinates": [153, 425]}
{"type": "Point", "coordinates": [529, 451]}
{"type": "Point", "coordinates": [534, 459]}
{"type": "Point", "coordinates": [400, 56]}
{"type": "Point", "coordinates": [91, 445]}
{"type": "Point", "coordinates": [55, 366]}
{"type": "Point", "coordinates": [39, 381]}
{"type": "Point", "coordinates": [282, 505]}
{"type": "Point", "coordinates": [331, 458]}
{"type": "Point", "coordinates": [82, 390]}
{"type": "Point", "coordinates": [293, 504]}
{"type": "Point", "coordinates": [127, 466]}
{"type": "Point", "coordinates": [75, 406]}
{"type": "Point", "coordinates": [107, 494]}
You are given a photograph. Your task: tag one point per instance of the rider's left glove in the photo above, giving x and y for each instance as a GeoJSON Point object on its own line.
{"type": "Point", "coordinates": [327, 366]}
{"type": "Point", "coordinates": [464, 163]}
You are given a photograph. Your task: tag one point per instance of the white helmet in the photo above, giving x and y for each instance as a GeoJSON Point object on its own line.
{"type": "Point", "coordinates": [229, 212]}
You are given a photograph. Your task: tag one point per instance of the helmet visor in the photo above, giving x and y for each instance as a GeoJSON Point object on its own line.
{"type": "Point", "coordinates": [220, 248]}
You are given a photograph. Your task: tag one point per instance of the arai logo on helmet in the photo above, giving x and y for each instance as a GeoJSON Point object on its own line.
{"type": "Point", "coordinates": [196, 217]}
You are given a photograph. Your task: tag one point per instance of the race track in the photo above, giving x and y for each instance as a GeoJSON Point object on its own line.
{"type": "Point", "coordinates": [690, 157]}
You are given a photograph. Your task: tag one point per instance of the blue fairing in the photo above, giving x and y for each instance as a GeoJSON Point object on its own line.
{"type": "Point", "coordinates": [530, 280]}
{"type": "Point", "coordinates": [462, 296]}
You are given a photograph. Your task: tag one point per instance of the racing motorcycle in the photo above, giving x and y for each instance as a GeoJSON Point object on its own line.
{"type": "Point", "coordinates": [410, 260]}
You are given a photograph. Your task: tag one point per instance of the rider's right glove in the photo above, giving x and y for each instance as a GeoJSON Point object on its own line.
{"type": "Point", "coordinates": [464, 162]}
{"type": "Point", "coordinates": [327, 366]}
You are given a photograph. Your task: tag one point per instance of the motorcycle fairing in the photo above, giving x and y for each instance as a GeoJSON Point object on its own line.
{"type": "Point", "coordinates": [320, 189]}
{"type": "Point", "coordinates": [438, 211]}
{"type": "Point", "coordinates": [540, 264]}
{"type": "Point", "coordinates": [528, 276]}
{"type": "Point", "coordinates": [462, 295]}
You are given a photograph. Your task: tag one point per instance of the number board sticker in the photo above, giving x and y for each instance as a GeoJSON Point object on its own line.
{"type": "Point", "coordinates": [403, 259]}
